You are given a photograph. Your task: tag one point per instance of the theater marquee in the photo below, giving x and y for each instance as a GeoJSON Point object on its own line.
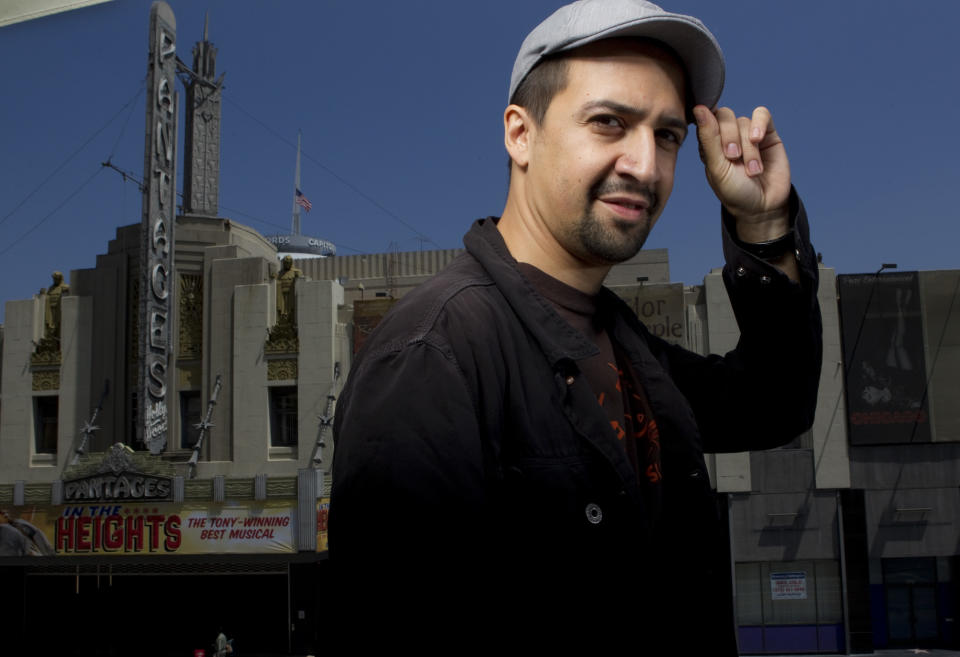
{"type": "Point", "coordinates": [152, 528]}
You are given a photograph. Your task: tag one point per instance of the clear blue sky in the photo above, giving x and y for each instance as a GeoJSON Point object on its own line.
{"type": "Point", "coordinates": [403, 102]}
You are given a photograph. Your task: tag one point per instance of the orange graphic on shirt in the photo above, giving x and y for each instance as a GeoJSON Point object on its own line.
{"type": "Point", "coordinates": [653, 451]}
{"type": "Point", "coordinates": [620, 430]}
{"type": "Point", "coordinates": [619, 375]}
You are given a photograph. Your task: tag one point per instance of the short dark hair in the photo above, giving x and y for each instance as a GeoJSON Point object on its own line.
{"type": "Point", "coordinates": [536, 91]}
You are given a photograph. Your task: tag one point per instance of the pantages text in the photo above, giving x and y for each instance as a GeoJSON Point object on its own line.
{"type": "Point", "coordinates": [159, 210]}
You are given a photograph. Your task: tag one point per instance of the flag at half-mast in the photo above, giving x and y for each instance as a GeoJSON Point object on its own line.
{"type": "Point", "coordinates": [302, 201]}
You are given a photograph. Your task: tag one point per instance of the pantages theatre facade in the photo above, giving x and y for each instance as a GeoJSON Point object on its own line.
{"type": "Point", "coordinates": [158, 477]}
{"type": "Point", "coordinates": [165, 446]}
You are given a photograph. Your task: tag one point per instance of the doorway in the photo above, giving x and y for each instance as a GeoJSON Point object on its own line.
{"type": "Point", "coordinates": [910, 588]}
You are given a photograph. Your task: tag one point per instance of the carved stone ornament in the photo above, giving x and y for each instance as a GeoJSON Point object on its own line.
{"type": "Point", "coordinates": [47, 352]}
{"type": "Point", "coordinates": [191, 316]}
{"type": "Point", "coordinates": [118, 459]}
{"type": "Point", "coordinates": [282, 339]}
{"type": "Point", "coordinates": [44, 380]}
{"type": "Point", "coordinates": [283, 369]}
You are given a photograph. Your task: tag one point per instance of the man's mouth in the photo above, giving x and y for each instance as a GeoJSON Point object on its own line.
{"type": "Point", "coordinates": [630, 209]}
{"type": "Point", "coordinates": [629, 202]}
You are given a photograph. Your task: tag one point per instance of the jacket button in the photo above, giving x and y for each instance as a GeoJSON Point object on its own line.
{"type": "Point", "coordinates": [741, 271]}
{"type": "Point", "coordinates": [765, 280]}
{"type": "Point", "coordinates": [570, 380]}
{"type": "Point", "coordinates": [594, 514]}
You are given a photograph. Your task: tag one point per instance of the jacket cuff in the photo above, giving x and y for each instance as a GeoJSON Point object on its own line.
{"type": "Point", "coordinates": [744, 266]}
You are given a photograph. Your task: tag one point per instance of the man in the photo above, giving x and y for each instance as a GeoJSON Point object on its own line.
{"type": "Point", "coordinates": [512, 443]}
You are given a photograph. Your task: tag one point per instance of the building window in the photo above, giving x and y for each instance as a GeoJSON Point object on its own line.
{"type": "Point", "coordinates": [283, 416]}
{"type": "Point", "coordinates": [789, 606]}
{"type": "Point", "coordinates": [191, 413]}
{"type": "Point", "coordinates": [45, 411]}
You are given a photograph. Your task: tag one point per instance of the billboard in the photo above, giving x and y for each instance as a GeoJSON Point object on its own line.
{"type": "Point", "coordinates": [883, 358]}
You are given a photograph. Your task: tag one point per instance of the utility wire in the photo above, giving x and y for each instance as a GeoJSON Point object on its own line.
{"type": "Point", "coordinates": [126, 121]}
{"type": "Point", "coordinates": [52, 212]}
{"type": "Point", "coordinates": [72, 155]}
{"type": "Point", "coordinates": [334, 174]}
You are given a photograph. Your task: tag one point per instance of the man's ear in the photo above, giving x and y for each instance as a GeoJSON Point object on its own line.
{"type": "Point", "coordinates": [518, 129]}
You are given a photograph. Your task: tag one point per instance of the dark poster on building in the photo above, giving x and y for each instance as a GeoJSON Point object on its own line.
{"type": "Point", "coordinates": [883, 358]}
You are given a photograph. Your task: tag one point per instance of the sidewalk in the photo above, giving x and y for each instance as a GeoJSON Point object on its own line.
{"type": "Point", "coordinates": [898, 652]}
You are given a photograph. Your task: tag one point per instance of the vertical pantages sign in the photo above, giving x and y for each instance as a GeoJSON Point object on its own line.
{"type": "Point", "coordinates": [159, 211]}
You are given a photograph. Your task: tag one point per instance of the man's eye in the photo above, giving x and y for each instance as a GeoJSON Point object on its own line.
{"type": "Point", "coordinates": [670, 137]}
{"type": "Point", "coordinates": [606, 121]}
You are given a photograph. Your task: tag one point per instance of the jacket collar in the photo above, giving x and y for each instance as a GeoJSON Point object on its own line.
{"type": "Point", "coordinates": [558, 340]}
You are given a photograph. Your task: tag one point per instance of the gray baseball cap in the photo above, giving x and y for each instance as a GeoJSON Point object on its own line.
{"type": "Point", "coordinates": [586, 21]}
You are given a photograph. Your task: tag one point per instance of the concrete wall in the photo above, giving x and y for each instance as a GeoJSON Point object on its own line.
{"type": "Point", "coordinates": [730, 472]}
{"type": "Point", "coordinates": [18, 456]}
{"type": "Point", "coordinates": [829, 434]}
{"type": "Point", "coordinates": [107, 286]}
{"type": "Point", "coordinates": [322, 344]}
{"type": "Point", "coordinates": [784, 526]}
{"type": "Point", "coordinates": [224, 272]}
{"type": "Point", "coordinates": [77, 400]}
{"type": "Point", "coordinates": [246, 387]}
{"type": "Point", "coordinates": [16, 420]}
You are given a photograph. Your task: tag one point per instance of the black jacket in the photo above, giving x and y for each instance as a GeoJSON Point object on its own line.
{"type": "Point", "coordinates": [471, 455]}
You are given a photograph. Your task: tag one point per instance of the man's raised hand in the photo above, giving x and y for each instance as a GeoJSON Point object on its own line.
{"type": "Point", "coordinates": [746, 165]}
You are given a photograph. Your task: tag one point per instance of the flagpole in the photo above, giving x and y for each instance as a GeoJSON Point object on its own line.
{"type": "Point", "coordinates": [296, 186]}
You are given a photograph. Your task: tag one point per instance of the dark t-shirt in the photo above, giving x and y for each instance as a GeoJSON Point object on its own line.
{"type": "Point", "coordinates": [611, 375]}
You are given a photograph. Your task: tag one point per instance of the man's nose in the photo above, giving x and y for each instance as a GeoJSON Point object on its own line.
{"type": "Point", "coordinates": [639, 157]}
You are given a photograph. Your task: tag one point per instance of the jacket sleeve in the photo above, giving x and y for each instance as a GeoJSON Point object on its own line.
{"type": "Point", "coordinates": [407, 469]}
{"type": "Point", "coordinates": [763, 393]}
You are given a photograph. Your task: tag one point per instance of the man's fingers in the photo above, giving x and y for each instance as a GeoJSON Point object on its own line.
{"type": "Point", "coordinates": [760, 124]}
{"type": "Point", "coordinates": [729, 133]}
{"type": "Point", "coordinates": [708, 134]}
{"type": "Point", "coordinates": [724, 137]}
{"type": "Point", "coordinates": [751, 153]}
